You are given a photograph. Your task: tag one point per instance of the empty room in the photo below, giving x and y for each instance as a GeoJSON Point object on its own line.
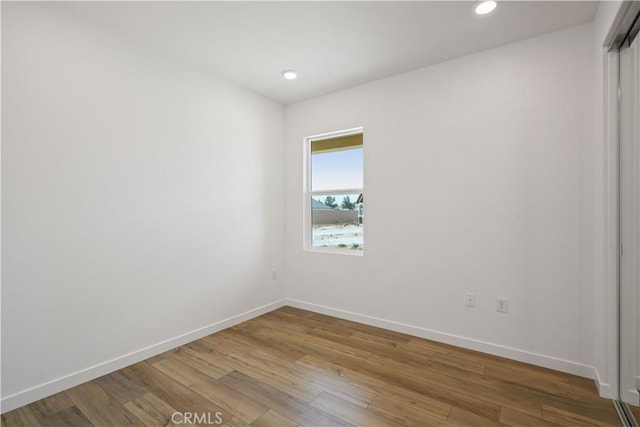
{"type": "Point", "coordinates": [309, 213]}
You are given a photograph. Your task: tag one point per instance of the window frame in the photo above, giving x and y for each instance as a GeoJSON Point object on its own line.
{"type": "Point", "coordinates": [307, 223]}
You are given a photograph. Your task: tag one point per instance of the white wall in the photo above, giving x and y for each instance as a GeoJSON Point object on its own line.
{"type": "Point", "coordinates": [141, 201]}
{"type": "Point", "coordinates": [486, 151]}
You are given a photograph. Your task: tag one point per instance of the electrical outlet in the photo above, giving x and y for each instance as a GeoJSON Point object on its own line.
{"type": "Point", "coordinates": [274, 274]}
{"type": "Point", "coordinates": [503, 305]}
{"type": "Point", "coordinates": [470, 299]}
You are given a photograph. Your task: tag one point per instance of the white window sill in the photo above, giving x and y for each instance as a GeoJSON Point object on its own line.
{"type": "Point", "coordinates": [335, 251]}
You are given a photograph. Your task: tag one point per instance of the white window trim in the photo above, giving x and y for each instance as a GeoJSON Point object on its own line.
{"type": "Point", "coordinates": [307, 232]}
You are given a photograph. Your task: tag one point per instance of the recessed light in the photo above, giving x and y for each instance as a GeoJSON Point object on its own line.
{"type": "Point", "coordinates": [289, 74]}
{"type": "Point", "coordinates": [485, 7]}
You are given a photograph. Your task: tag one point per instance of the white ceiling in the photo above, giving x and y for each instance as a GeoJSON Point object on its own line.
{"type": "Point", "coordinates": [332, 45]}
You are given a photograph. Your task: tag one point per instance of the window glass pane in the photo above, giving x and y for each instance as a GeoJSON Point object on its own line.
{"type": "Point", "coordinates": [337, 221]}
{"type": "Point", "coordinates": [336, 169]}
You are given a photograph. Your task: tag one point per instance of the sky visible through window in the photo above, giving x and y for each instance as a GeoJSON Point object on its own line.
{"type": "Point", "coordinates": [337, 170]}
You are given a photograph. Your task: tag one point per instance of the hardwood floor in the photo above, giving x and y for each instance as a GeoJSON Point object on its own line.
{"type": "Point", "coordinates": [293, 367]}
{"type": "Point", "coordinates": [635, 410]}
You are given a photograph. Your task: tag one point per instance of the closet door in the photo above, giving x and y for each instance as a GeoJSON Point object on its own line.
{"type": "Point", "coordinates": [630, 222]}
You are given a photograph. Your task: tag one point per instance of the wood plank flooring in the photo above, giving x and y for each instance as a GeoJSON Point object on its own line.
{"type": "Point", "coordinates": [635, 410]}
{"type": "Point", "coordinates": [292, 367]}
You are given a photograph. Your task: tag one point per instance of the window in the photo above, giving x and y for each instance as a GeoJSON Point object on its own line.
{"type": "Point", "coordinates": [334, 196]}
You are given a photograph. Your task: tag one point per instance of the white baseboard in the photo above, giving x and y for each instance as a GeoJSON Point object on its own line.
{"type": "Point", "coordinates": [41, 391]}
{"type": "Point", "coordinates": [469, 343]}
{"type": "Point", "coordinates": [605, 390]}
{"type": "Point", "coordinates": [630, 396]}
